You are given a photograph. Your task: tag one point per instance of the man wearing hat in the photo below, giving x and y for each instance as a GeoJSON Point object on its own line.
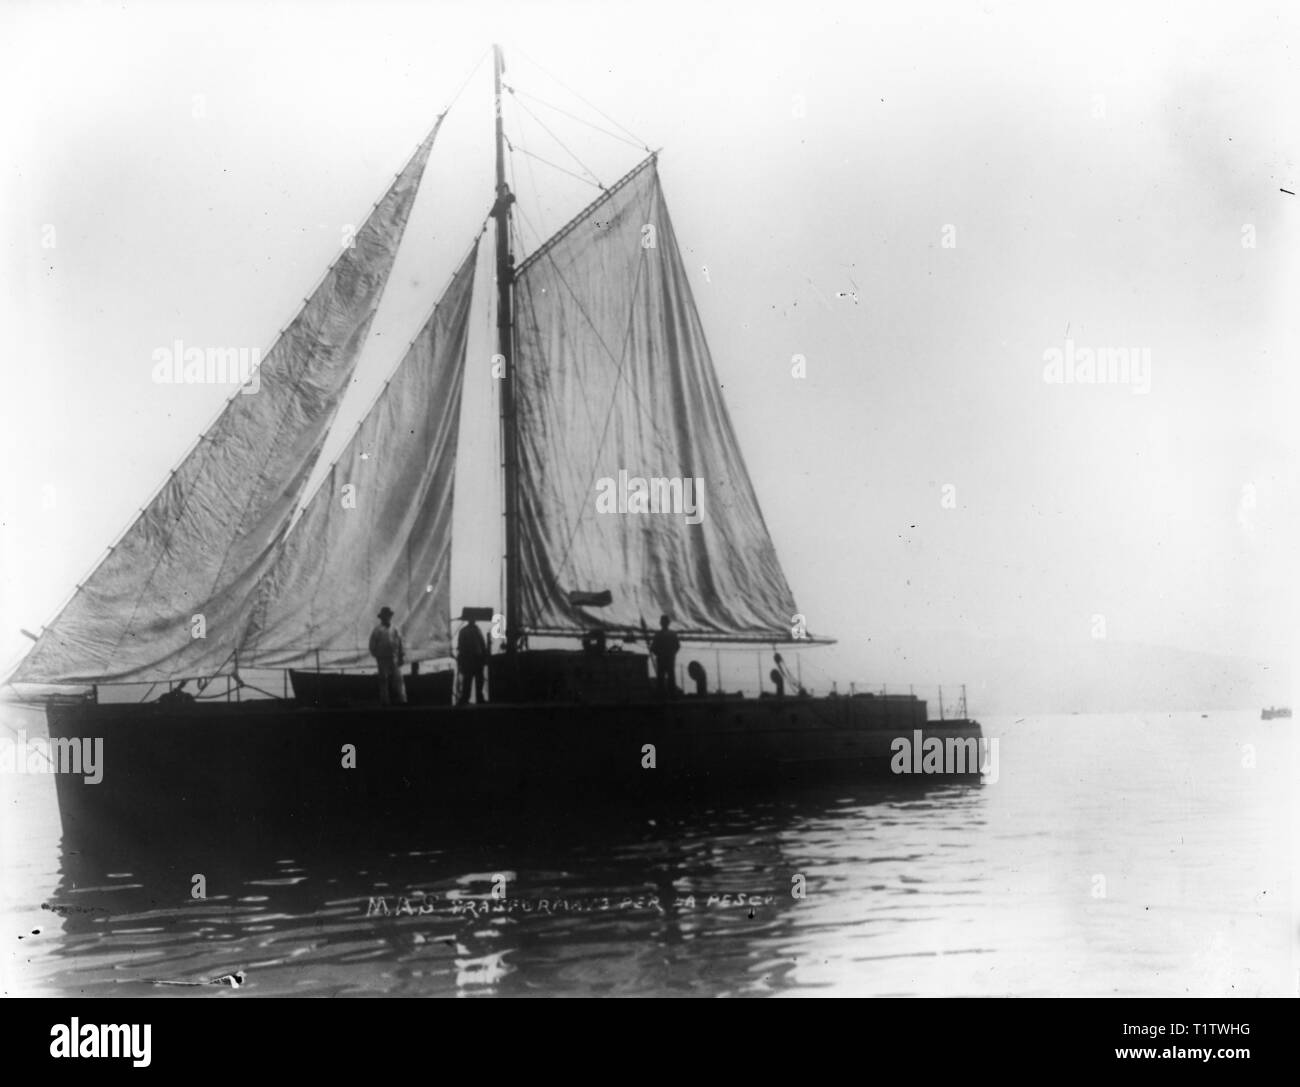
{"type": "Point", "coordinates": [471, 660]}
{"type": "Point", "coordinates": [664, 647]}
{"type": "Point", "coordinates": [386, 648]}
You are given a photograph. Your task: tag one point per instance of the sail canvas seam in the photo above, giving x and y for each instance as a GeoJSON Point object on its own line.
{"type": "Point", "coordinates": [556, 569]}
{"type": "Point", "coordinates": [619, 361]}
{"type": "Point", "coordinates": [49, 629]}
{"type": "Point", "coordinates": [723, 581]}
{"type": "Point", "coordinates": [301, 363]}
{"type": "Point", "coordinates": [360, 336]}
{"type": "Point", "coordinates": [621, 364]}
{"type": "Point", "coordinates": [165, 551]}
{"type": "Point", "coordinates": [410, 429]}
{"type": "Point", "coordinates": [196, 465]}
{"type": "Point", "coordinates": [725, 413]}
{"type": "Point", "coordinates": [374, 401]}
{"type": "Point", "coordinates": [252, 644]}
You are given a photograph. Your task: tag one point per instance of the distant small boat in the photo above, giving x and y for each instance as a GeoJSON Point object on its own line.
{"type": "Point", "coordinates": [1274, 711]}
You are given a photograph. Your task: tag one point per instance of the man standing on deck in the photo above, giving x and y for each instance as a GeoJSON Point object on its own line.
{"type": "Point", "coordinates": [386, 648]}
{"type": "Point", "coordinates": [471, 660]}
{"type": "Point", "coordinates": [664, 647]}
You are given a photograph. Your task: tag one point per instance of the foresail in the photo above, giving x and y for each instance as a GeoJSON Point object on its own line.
{"type": "Point", "coordinates": [378, 530]}
{"type": "Point", "coordinates": [169, 599]}
{"type": "Point", "coordinates": [630, 476]}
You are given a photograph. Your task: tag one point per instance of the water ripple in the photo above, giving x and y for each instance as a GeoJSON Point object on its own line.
{"type": "Point", "coordinates": [1112, 856]}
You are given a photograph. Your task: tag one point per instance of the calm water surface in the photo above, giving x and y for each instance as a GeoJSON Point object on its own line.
{"type": "Point", "coordinates": [1137, 855]}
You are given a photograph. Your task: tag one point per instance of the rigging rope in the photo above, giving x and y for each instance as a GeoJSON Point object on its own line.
{"type": "Point", "coordinates": [579, 97]}
{"type": "Point", "coordinates": [574, 116]}
{"type": "Point", "coordinates": [465, 82]}
{"type": "Point", "coordinates": [532, 177]}
{"type": "Point", "coordinates": [554, 165]}
{"type": "Point", "coordinates": [562, 144]}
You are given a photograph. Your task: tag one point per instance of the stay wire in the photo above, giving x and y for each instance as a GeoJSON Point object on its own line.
{"type": "Point", "coordinates": [589, 105]}
{"type": "Point", "coordinates": [562, 144]}
{"type": "Point", "coordinates": [573, 116]}
{"type": "Point", "coordinates": [554, 165]}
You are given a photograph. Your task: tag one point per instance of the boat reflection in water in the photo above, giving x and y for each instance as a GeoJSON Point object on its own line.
{"type": "Point", "coordinates": [718, 900]}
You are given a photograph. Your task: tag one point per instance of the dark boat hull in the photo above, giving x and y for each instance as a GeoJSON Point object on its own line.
{"type": "Point", "coordinates": [344, 689]}
{"type": "Point", "coordinates": [231, 768]}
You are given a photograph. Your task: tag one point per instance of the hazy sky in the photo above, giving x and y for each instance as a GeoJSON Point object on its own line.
{"type": "Point", "coordinates": [186, 170]}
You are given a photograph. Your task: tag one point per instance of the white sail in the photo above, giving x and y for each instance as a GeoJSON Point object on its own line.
{"type": "Point", "coordinates": [378, 530]}
{"type": "Point", "coordinates": [169, 598]}
{"type": "Point", "coordinates": [615, 386]}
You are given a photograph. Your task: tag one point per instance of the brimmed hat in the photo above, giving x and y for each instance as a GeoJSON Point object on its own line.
{"type": "Point", "coordinates": [385, 612]}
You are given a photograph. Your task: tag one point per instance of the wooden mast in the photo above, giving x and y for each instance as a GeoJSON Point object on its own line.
{"type": "Point", "coordinates": [505, 273]}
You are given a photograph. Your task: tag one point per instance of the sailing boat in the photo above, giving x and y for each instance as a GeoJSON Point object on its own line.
{"type": "Point", "coordinates": [605, 375]}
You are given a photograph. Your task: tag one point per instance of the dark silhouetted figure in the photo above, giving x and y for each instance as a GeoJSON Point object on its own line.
{"type": "Point", "coordinates": [664, 647]}
{"type": "Point", "coordinates": [386, 648]}
{"type": "Point", "coordinates": [696, 671]}
{"type": "Point", "coordinates": [471, 660]}
{"type": "Point", "coordinates": [179, 696]}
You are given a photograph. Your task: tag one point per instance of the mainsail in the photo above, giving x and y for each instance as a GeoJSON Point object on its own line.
{"type": "Point", "coordinates": [378, 530]}
{"type": "Point", "coordinates": [170, 597]}
{"type": "Point", "coordinates": [615, 386]}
